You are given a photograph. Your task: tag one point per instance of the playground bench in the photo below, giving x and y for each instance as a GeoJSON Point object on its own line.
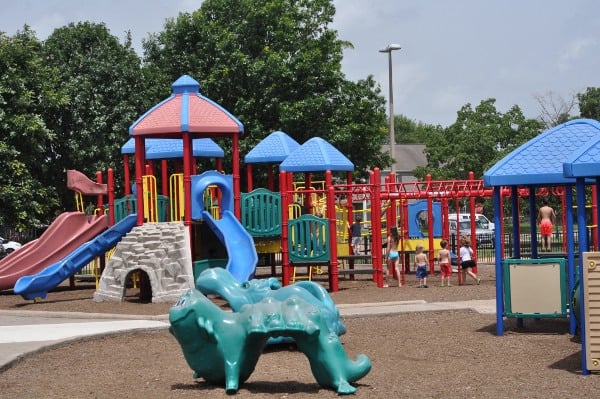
{"type": "Point", "coordinates": [366, 260]}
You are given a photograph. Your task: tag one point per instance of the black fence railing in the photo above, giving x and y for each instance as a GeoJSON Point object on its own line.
{"type": "Point", "coordinates": [486, 252]}
{"type": "Point", "coordinates": [21, 236]}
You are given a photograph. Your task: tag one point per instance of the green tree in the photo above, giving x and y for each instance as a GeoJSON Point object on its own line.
{"type": "Point", "coordinates": [478, 139]}
{"type": "Point", "coordinates": [589, 103]}
{"type": "Point", "coordinates": [106, 89]}
{"type": "Point", "coordinates": [29, 88]}
{"type": "Point", "coordinates": [408, 131]}
{"type": "Point", "coordinates": [275, 65]}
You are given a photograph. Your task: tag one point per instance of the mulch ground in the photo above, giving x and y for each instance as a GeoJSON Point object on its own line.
{"type": "Point", "coordinates": [450, 354]}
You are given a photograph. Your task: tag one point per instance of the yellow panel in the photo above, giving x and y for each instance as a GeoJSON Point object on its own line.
{"type": "Point", "coordinates": [268, 246]}
{"type": "Point", "coordinates": [591, 289]}
{"type": "Point", "coordinates": [343, 249]}
{"type": "Point", "coordinates": [410, 245]}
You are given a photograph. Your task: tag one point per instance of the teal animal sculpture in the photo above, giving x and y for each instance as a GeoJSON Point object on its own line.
{"type": "Point", "coordinates": [224, 347]}
{"type": "Point", "coordinates": [218, 281]}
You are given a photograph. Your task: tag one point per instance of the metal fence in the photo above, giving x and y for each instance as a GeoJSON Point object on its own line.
{"type": "Point", "coordinates": [486, 252]}
{"type": "Point", "coordinates": [21, 236]}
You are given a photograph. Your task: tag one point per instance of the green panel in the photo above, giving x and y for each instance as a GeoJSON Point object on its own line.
{"type": "Point", "coordinates": [261, 213]}
{"type": "Point", "coordinates": [163, 208]}
{"type": "Point", "coordinates": [127, 205]}
{"type": "Point", "coordinates": [124, 207]}
{"type": "Point", "coordinates": [510, 309]}
{"type": "Point", "coordinates": [308, 239]}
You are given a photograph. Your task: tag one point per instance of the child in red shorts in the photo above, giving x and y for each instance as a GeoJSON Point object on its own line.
{"type": "Point", "coordinates": [444, 261]}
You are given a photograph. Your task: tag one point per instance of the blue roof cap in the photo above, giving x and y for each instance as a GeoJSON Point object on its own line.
{"type": "Point", "coordinates": [316, 155]}
{"type": "Point", "coordinates": [185, 84]}
{"type": "Point", "coordinates": [272, 149]}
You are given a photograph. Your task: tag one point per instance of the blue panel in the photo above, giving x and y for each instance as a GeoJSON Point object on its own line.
{"type": "Point", "coordinates": [414, 209]}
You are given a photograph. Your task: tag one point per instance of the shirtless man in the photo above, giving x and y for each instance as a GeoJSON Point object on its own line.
{"type": "Point", "coordinates": [546, 218]}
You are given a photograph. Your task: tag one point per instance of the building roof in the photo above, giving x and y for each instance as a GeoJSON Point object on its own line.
{"type": "Point", "coordinates": [540, 160]}
{"type": "Point", "coordinates": [408, 157]}
{"type": "Point", "coordinates": [186, 110]}
{"type": "Point", "coordinates": [316, 155]}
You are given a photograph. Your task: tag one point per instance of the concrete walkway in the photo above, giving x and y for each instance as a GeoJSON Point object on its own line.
{"type": "Point", "coordinates": [25, 332]}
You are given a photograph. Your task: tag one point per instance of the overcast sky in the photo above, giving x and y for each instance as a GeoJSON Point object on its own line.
{"type": "Point", "coordinates": [453, 52]}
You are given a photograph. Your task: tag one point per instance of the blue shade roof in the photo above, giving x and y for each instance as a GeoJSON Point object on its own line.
{"type": "Point", "coordinates": [540, 160]}
{"type": "Point", "coordinates": [316, 155]}
{"type": "Point", "coordinates": [173, 148]}
{"type": "Point", "coordinates": [585, 162]}
{"type": "Point", "coordinates": [272, 149]}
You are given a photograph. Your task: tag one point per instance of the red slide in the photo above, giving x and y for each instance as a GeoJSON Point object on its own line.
{"type": "Point", "coordinates": [68, 232]}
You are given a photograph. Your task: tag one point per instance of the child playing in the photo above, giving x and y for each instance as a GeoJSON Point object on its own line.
{"type": "Point", "coordinates": [421, 263]}
{"type": "Point", "coordinates": [467, 262]}
{"type": "Point", "coordinates": [355, 234]}
{"type": "Point", "coordinates": [444, 261]}
{"type": "Point", "coordinates": [393, 259]}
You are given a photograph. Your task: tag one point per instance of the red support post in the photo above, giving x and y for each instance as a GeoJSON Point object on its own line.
{"type": "Point", "coordinates": [249, 176]}
{"type": "Point", "coordinates": [126, 175]}
{"type": "Point", "coordinates": [333, 263]}
{"type": "Point", "coordinates": [110, 176]}
{"type": "Point", "coordinates": [376, 227]}
{"type": "Point", "coordinates": [100, 204]}
{"type": "Point", "coordinates": [285, 256]}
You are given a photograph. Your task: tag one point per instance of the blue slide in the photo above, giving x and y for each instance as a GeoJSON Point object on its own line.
{"type": "Point", "coordinates": [38, 285]}
{"type": "Point", "coordinates": [238, 242]}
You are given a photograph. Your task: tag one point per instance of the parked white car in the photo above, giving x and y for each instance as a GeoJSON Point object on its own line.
{"type": "Point", "coordinates": [484, 236]}
{"type": "Point", "coordinates": [482, 221]}
{"type": "Point", "coordinates": [8, 245]}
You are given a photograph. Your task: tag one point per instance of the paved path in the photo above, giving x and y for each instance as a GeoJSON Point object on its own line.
{"type": "Point", "coordinates": [23, 332]}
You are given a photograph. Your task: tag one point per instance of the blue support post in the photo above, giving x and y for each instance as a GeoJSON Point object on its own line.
{"type": "Point", "coordinates": [583, 245]}
{"type": "Point", "coordinates": [498, 253]}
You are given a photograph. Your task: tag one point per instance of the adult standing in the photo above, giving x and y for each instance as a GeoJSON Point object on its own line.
{"type": "Point", "coordinates": [546, 218]}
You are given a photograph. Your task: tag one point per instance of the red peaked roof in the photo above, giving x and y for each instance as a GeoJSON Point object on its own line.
{"type": "Point", "coordinates": [186, 110]}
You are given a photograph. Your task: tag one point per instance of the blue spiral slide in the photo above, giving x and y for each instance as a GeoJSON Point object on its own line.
{"type": "Point", "coordinates": [241, 252]}
{"type": "Point", "coordinates": [38, 285]}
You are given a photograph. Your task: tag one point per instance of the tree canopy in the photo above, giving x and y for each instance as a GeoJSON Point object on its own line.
{"type": "Point", "coordinates": [29, 88]}
{"type": "Point", "coordinates": [478, 139]}
{"type": "Point", "coordinates": [106, 93]}
{"type": "Point", "coordinates": [589, 103]}
{"type": "Point", "coordinates": [275, 65]}
{"type": "Point", "coordinates": [67, 102]}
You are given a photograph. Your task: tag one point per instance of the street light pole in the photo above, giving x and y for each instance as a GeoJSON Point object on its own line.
{"type": "Point", "coordinates": [388, 50]}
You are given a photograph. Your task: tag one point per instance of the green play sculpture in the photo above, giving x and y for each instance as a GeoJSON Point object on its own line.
{"type": "Point", "coordinates": [220, 282]}
{"type": "Point", "coordinates": [223, 347]}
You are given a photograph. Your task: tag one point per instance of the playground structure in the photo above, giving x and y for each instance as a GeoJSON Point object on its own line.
{"type": "Point", "coordinates": [213, 224]}
{"type": "Point", "coordinates": [565, 159]}
{"type": "Point", "coordinates": [229, 229]}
